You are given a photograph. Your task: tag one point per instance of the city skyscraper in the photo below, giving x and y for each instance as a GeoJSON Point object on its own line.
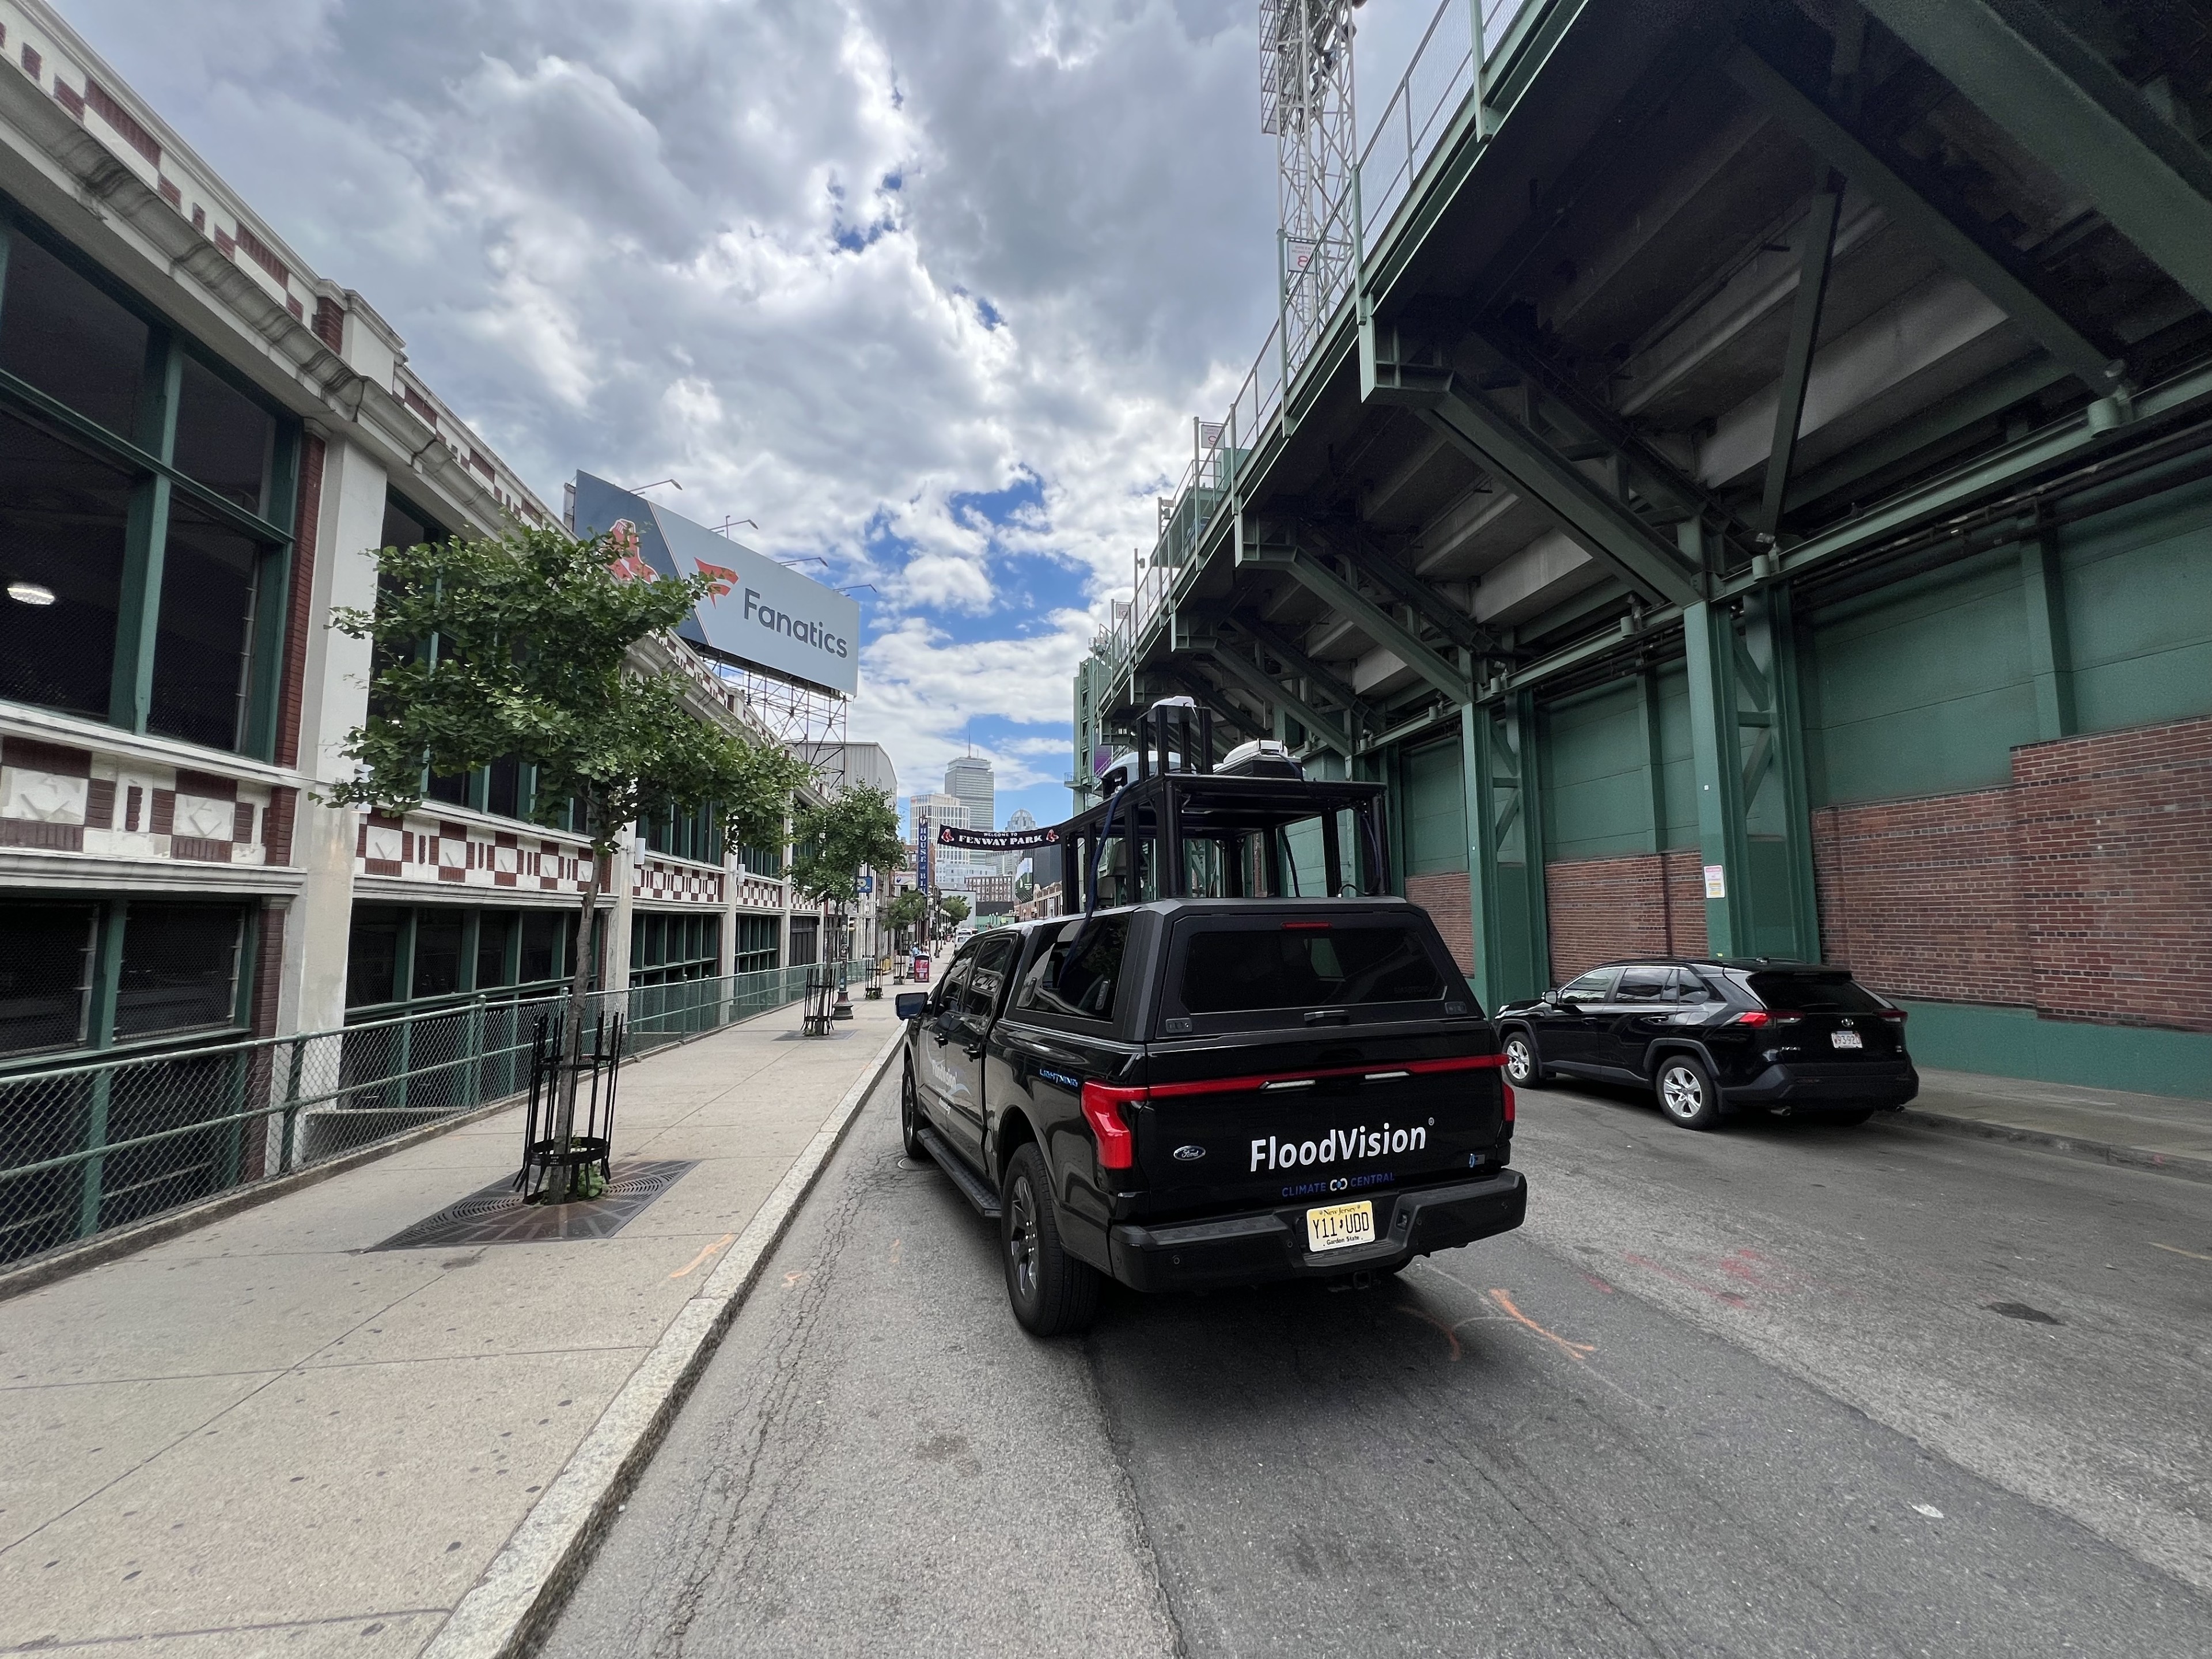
{"type": "Point", "coordinates": [969, 778]}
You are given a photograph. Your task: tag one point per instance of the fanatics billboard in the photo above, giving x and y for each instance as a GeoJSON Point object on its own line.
{"type": "Point", "coordinates": [771, 618]}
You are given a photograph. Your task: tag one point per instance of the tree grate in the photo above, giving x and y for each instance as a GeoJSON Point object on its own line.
{"type": "Point", "coordinates": [497, 1215]}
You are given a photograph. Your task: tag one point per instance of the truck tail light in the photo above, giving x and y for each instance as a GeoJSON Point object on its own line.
{"type": "Point", "coordinates": [1101, 1109]}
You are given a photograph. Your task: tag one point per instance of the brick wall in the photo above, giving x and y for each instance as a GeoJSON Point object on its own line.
{"type": "Point", "coordinates": [1642, 904]}
{"type": "Point", "coordinates": [1444, 896]}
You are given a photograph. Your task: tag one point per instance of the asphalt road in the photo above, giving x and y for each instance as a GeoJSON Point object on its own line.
{"type": "Point", "coordinates": [1783, 1389]}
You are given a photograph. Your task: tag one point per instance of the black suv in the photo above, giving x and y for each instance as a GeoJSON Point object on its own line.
{"type": "Point", "coordinates": [1185, 1094]}
{"type": "Point", "coordinates": [1715, 1034]}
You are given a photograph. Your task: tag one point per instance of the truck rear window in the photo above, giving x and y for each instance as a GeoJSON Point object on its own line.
{"type": "Point", "coordinates": [1243, 970]}
{"type": "Point", "coordinates": [1077, 975]}
{"type": "Point", "coordinates": [1814, 993]}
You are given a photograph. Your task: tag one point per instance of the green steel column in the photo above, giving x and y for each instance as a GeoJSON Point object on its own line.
{"type": "Point", "coordinates": [2051, 659]}
{"type": "Point", "coordinates": [1708, 638]}
{"type": "Point", "coordinates": [1482, 883]}
{"type": "Point", "coordinates": [106, 978]}
{"type": "Point", "coordinates": [1787, 729]}
{"type": "Point", "coordinates": [1535, 913]}
{"type": "Point", "coordinates": [1504, 791]}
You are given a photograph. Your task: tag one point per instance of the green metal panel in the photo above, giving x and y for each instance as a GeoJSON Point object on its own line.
{"type": "Point", "coordinates": [1921, 689]}
{"type": "Point", "coordinates": [1678, 778]}
{"type": "Point", "coordinates": [2137, 586]}
{"type": "Point", "coordinates": [1597, 792]}
{"type": "Point", "coordinates": [2015, 1042]}
{"type": "Point", "coordinates": [1435, 809]}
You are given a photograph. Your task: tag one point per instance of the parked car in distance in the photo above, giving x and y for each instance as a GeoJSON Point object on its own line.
{"type": "Point", "coordinates": [1713, 1035]}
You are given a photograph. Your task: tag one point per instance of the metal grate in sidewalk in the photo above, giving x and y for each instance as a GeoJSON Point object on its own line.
{"type": "Point", "coordinates": [497, 1214]}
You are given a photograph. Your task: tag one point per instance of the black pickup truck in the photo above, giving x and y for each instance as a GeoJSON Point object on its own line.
{"type": "Point", "coordinates": [1183, 1092]}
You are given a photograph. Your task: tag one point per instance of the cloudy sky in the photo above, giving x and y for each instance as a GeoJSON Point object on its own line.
{"type": "Point", "coordinates": [930, 288]}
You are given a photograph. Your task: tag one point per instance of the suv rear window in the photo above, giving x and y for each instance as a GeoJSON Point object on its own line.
{"type": "Point", "coordinates": [1244, 970]}
{"type": "Point", "coordinates": [1814, 993]}
{"type": "Point", "coordinates": [1077, 984]}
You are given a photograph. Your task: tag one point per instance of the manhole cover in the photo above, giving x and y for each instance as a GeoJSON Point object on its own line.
{"type": "Point", "coordinates": [497, 1215]}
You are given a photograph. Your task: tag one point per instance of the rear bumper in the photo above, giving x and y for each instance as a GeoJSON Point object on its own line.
{"type": "Point", "coordinates": [1869, 1083]}
{"type": "Point", "coordinates": [1264, 1245]}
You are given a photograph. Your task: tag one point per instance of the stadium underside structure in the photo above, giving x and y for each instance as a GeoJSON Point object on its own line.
{"type": "Point", "coordinates": [1753, 493]}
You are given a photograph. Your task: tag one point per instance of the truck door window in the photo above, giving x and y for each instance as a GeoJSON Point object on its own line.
{"type": "Point", "coordinates": [1076, 983]}
{"type": "Point", "coordinates": [980, 994]}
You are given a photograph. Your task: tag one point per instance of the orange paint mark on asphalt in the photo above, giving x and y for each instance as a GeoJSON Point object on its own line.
{"type": "Point", "coordinates": [2177, 1250]}
{"type": "Point", "coordinates": [699, 1259]}
{"type": "Point", "coordinates": [790, 1280]}
{"type": "Point", "coordinates": [1449, 1335]}
{"type": "Point", "coordinates": [1578, 1351]}
{"type": "Point", "coordinates": [1733, 1298]}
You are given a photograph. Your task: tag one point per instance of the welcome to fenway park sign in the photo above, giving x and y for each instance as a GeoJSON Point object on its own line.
{"type": "Point", "coordinates": [998, 841]}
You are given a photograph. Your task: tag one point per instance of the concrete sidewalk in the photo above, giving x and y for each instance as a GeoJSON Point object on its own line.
{"type": "Point", "coordinates": [265, 1436]}
{"type": "Point", "coordinates": [2150, 1132]}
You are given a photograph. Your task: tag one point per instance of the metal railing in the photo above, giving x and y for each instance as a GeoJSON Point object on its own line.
{"type": "Point", "coordinates": [1422, 108]}
{"type": "Point", "coordinates": [95, 1144]}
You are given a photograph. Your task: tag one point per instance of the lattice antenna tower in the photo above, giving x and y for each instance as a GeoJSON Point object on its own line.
{"type": "Point", "coordinates": [794, 714]}
{"type": "Point", "coordinates": [1305, 101]}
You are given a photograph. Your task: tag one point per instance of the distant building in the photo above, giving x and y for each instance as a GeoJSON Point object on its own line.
{"type": "Point", "coordinates": [969, 778]}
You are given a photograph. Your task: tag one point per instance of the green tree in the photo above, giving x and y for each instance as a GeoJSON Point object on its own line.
{"type": "Point", "coordinates": [953, 907]}
{"type": "Point", "coordinates": [907, 911]}
{"type": "Point", "coordinates": [517, 647]}
{"type": "Point", "coordinates": [856, 828]}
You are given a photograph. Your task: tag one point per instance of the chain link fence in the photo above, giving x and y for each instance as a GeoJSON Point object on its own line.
{"type": "Point", "coordinates": [97, 1144]}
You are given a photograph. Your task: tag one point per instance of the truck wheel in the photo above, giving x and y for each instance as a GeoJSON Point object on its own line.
{"type": "Point", "coordinates": [1522, 1064]}
{"type": "Point", "coordinates": [1053, 1293]}
{"type": "Point", "coordinates": [910, 1117]}
{"type": "Point", "coordinates": [1687, 1093]}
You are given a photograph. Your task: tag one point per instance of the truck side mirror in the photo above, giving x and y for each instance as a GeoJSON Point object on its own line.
{"type": "Point", "coordinates": [911, 1005]}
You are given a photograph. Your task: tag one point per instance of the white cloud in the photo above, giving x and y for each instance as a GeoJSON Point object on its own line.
{"type": "Point", "coordinates": [763, 246]}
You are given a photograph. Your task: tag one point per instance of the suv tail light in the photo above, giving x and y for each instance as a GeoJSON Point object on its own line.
{"type": "Point", "coordinates": [1760, 1017]}
{"type": "Point", "coordinates": [1897, 1014]}
{"type": "Point", "coordinates": [1101, 1109]}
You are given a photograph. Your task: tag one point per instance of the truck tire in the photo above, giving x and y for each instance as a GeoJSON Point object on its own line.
{"type": "Point", "coordinates": [1053, 1294]}
{"type": "Point", "coordinates": [910, 1117]}
{"type": "Point", "coordinates": [1687, 1093]}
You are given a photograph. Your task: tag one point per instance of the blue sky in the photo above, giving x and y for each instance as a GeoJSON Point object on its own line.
{"type": "Point", "coordinates": [929, 289]}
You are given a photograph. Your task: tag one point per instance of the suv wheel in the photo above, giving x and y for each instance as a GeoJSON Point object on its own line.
{"type": "Point", "coordinates": [910, 1117]}
{"type": "Point", "coordinates": [1687, 1093]}
{"type": "Point", "coordinates": [1052, 1292]}
{"type": "Point", "coordinates": [1525, 1070]}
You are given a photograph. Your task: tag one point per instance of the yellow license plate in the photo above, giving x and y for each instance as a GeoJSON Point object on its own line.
{"type": "Point", "coordinates": [1340, 1226]}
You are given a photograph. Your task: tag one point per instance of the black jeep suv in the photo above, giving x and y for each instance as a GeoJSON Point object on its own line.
{"type": "Point", "coordinates": [1714, 1035]}
{"type": "Point", "coordinates": [1186, 1093]}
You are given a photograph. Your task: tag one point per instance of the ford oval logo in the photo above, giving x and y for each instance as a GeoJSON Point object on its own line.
{"type": "Point", "coordinates": [1189, 1154]}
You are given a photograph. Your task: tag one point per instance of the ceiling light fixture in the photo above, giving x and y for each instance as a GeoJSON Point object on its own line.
{"type": "Point", "coordinates": [30, 594]}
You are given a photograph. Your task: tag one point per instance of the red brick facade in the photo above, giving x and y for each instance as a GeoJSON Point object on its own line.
{"type": "Point", "coordinates": [2082, 889]}
{"type": "Point", "coordinates": [1444, 896]}
{"type": "Point", "coordinates": [1644, 904]}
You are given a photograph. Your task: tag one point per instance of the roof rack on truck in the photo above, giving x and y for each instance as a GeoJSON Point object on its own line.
{"type": "Point", "coordinates": [1176, 825]}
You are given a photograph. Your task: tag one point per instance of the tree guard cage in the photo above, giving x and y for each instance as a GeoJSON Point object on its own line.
{"type": "Point", "coordinates": [1172, 827]}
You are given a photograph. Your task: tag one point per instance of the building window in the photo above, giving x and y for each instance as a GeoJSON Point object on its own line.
{"type": "Point", "coordinates": [676, 832]}
{"type": "Point", "coordinates": [45, 976]}
{"type": "Point", "coordinates": [762, 861]}
{"type": "Point", "coordinates": [63, 516]}
{"type": "Point", "coordinates": [181, 967]}
{"type": "Point", "coordinates": [665, 950]}
{"type": "Point", "coordinates": [400, 955]}
{"type": "Point", "coordinates": [94, 535]}
{"type": "Point", "coordinates": [756, 944]}
{"type": "Point", "coordinates": [805, 941]}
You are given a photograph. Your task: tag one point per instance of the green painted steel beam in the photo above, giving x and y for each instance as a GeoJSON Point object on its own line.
{"type": "Point", "coordinates": [1356, 547]}
{"type": "Point", "coordinates": [1576, 503]}
{"type": "Point", "coordinates": [1816, 243]}
{"type": "Point", "coordinates": [1316, 673]}
{"type": "Point", "coordinates": [1278, 697]}
{"type": "Point", "coordinates": [1378, 623]}
{"type": "Point", "coordinates": [1709, 639]}
{"type": "Point", "coordinates": [1503, 784]}
{"type": "Point", "coordinates": [1996, 271]}
{"type": "Point", "coordinates": [2050, 660]}
{"type": "Point", "coordinates": [2064, 104]}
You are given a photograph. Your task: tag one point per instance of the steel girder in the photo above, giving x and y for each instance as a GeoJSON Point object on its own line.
{"type": "Point", "coordinates": [1476, 423]}
{"type": "Point", "coordinates": [1356, 547]}
{"type": "Point", "coordinates": [1817, 243]}
{"type": "Point", "coordinates": [1259, 684]}
{"type": "Point", "coordinates": [1504, 786]}
{"type": "Point", "coordinates": [2064, 104]}
{"type": "Point", "coordinates": [1378, 623]}
{"type": "Point", "coordinates": [1314, 673]}
{"type": "Point", "coordinates": [1990, 266]}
